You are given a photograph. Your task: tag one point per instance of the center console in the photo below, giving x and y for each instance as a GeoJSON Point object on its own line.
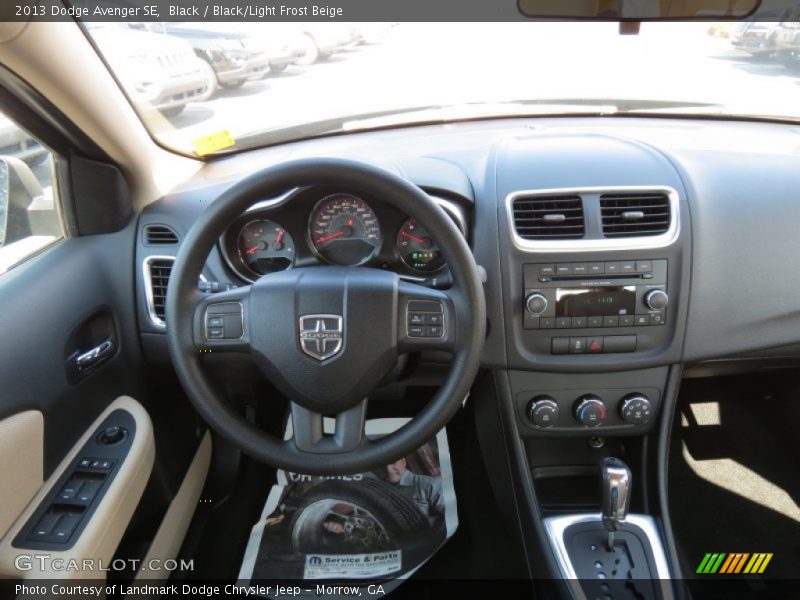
{"type": "Point", "coordinates": [595, 247]}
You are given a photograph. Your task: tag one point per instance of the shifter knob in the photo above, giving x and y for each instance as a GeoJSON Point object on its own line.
{"type": "Point", "coordinates": [615, 481]}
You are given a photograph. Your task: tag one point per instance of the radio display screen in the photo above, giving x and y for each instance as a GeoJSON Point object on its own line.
{"type": "Point", "coordinates": [597, 301]}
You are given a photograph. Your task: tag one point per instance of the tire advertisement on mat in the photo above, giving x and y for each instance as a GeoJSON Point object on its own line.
{"type": "Point", "coordinates": [380, 525]}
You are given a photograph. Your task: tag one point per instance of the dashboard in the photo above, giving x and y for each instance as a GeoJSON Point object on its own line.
{"type": "Point", "coordinates": [613, 249]}
{"type": "Point", "coordinates": [313, 226]}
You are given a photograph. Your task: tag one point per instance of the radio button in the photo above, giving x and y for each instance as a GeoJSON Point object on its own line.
{"type": "Point", "coordinates": [577, 345]}
{"type": "Point", "coordinates": [610, 321]}
{"type": "Point", "coordinates": [597, 268]}
{"type": "Point", "coordinates": [626, 320]}
{"type": "Point", "coordinates": [656, 299]}
{"type": "Point", "coordinates": [643, 266]}
{"type": "Point", "coordinates": [642, 320]}
{"type": "Point", "coordinates": [563, 270]}
{"type": "Point", "coordinates": [657, 319]}
{"type": "Point", "coordinates": [628, 266]}
{"type": "Point", "coordinates": [613, 268]}
{"type": "Point", "coordinates": [547, 270]}
{"type": "Point", "coordinates": [595, 321]}
{"type": "Point", "coordinates": [578, 322]}
{"type": "Point", "coordinates": [547, 323]}
{"type": "Point", "coordinates": [560, 345]}
{"type": "Point", "coordinates": [563, 322]}
{"type": "Point", "coordinates": [579, 269]}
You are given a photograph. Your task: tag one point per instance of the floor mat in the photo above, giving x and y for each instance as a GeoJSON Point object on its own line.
{"type": "Point", "coordinates": [376, 526]}
{"type": "Point", "coordinates": [733, 474]}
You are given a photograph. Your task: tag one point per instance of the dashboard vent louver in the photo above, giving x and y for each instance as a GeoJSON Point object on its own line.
{"type": "Point", "coordinates": [159, 270]}
{"type": "Point", "coordinates": [634, 214]}
{"type": "Point", "coordinates": [549, 217]}
{"type": "Point", "coordinates": [160, 235]}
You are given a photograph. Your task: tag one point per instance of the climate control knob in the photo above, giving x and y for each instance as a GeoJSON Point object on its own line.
{"type": "Point", "coordinates": [635, 409]}
{"type": "Point", "coordinates": [543, 411]}
{"type": "Point", "coordinates": [656, 299]}
{"type": "Point", "coordinates": [590, 411]}
{"type": "Point", "coordinates": [536, 303]}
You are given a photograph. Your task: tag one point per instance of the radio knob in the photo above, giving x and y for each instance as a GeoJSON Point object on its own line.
{"type": "Point", "coordinates": [635, 409]}
{"type": "Point", "coordinates": [590, 411]}
{"type": "Point", "coordinates": [536, 303]}
{"type": "Point", "coordinates": [656, 299]}
{"type": "Point", "coordinates": [543, 411]}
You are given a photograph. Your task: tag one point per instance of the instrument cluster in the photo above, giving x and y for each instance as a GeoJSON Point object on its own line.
{"type": "Point", "coordinates": [313, 226]}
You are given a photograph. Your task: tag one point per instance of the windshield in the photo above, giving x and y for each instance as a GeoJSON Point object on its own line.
{"type": "Point", "coordinates": [211, 88]}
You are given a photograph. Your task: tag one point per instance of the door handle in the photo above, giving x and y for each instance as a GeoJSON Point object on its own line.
{"type": "Point", "coordinates": [95, 356]}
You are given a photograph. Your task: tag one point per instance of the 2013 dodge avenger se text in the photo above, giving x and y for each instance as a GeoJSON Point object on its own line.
{"type": "Point", "coordinates": [366, 299]}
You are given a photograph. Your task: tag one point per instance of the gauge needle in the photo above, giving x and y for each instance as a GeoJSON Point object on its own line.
{"type": "Point", "coordinates": [419, 240]}
{"type": "Point", "coordinates": [332, 236]}
{"type": "Point", "coordinates": [279, 237]}
{"type": "Point", "coordinates": [252, 250]}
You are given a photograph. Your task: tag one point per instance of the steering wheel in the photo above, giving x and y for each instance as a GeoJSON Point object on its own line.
{"type": "Point", "coordinates": [325, 336]}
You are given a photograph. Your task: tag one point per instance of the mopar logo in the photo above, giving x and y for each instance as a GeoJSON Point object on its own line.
{"type": "Point", "coordinates": [321, 336]}
{"type": "Point", "coordinates": [314, 560]}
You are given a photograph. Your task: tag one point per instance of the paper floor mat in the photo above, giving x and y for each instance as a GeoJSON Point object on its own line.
{"type": "Point", "coordinates": [378, 526]}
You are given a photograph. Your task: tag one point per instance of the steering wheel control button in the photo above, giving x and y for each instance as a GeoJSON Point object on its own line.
{"type": "Point", "coordinates": [635, 409]}
{"type": "Point", "coordinates": [590, 411]}
{"type": "Point", "coordinates": [542, 412]}
{"type": "Point", "coordinates": [112, 435]}
{"type": "Point", "coordinates": [536, 303]}
{"type": "Point", "coordinates": [224, 321]}
{"type": "Point", "coordinates": [425, 319]}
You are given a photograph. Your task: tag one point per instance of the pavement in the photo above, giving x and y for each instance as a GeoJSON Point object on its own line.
{"type": "Point", "coordinates": [453, 63]}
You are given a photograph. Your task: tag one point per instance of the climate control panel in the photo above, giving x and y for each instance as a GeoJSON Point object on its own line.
{"type": "Point", "coordinates": [613, 411]}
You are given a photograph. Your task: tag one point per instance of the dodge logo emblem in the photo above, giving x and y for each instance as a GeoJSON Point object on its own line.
{"type": "Point", "coordinates": [321, 336]}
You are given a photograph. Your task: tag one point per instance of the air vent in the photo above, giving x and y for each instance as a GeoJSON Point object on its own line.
{"type": "Point", "coordinates": [160, 235]}
{"type": "Point", "coordinates": [549, 217]}
{"type": "Point", "coordinates": [157, 271]}
{"type": "Point", "coordinates": [635, 214]}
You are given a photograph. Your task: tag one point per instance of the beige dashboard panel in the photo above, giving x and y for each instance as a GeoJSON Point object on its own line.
{"type": "Point", "coordinates": [100, 538]}
{"type": "Point", "coordinates": [21, 463]}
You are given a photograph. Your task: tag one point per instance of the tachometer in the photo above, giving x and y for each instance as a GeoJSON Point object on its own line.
{"type": "Point", "coordinates": [344, 230]}
{"type": "Point", "coordinates": [265, 247]}
{"type": "Point", "coordinates": [417, 249]}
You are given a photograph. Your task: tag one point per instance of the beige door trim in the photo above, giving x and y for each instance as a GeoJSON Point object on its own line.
{"type": "Point", "coordinates": [101, 536]}
{"type": "Point", "coordinates": [21, 463]}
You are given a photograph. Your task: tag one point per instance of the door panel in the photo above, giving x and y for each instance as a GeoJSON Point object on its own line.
{"type": "Point", "coordinates": [21, 463]}
{"type": "Point", "coordinates": [44, 302]}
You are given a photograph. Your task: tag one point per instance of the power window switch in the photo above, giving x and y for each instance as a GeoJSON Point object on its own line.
{"type": "Point", "coordinates": [45, 526]}
{"type": "Point", "coordinates": [65, 527]}
{"type": "Point", "coordinates": [88, 491]}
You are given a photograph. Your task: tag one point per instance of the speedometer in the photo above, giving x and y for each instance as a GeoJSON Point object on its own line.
{"type": "Point", "coordinates": [344, 230]}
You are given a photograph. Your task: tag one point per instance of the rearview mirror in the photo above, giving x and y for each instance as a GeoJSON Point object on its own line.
{"type": "Point", "coordinates": [644, 10]}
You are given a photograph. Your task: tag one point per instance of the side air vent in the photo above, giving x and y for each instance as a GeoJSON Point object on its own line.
{"type": "Point", "coordinates": [549, 217]}
{"type": "Point", "coordinates": [635, 214]}
{"type": "Point", "coordinates": [156, 278]}
{"type": "Point", "coordinates": [160, 235]}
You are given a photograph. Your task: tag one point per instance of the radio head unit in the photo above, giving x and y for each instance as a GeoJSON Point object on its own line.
{"type": "Point", "coordinates": [595, 295]}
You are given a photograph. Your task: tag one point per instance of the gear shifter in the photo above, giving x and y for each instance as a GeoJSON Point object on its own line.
{"type": "Point", "coordinates": [615, 480]}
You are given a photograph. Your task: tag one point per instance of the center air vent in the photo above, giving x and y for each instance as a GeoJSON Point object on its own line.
{"type": "Point", "coordinates": [549, 217]}
{"type": "Point", "coordinates": [156, 274]}
{"type": "Point", "coordinates": [160, 235]}
{"type": "Point", "coordinates": [635, 214]}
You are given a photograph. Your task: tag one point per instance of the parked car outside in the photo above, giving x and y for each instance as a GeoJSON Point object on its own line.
{"type": "Point", "coordinates": [787, 41]}
{"type": "Point", "coordinates": [234, 57]}
{"type": "Point", "coordinates": [156, 70]}
{"type": "Point", "coordinates": [756, 38]}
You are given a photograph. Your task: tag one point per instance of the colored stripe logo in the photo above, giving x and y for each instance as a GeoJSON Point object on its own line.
{"type": "Point", "coordinates": [734, 562]}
